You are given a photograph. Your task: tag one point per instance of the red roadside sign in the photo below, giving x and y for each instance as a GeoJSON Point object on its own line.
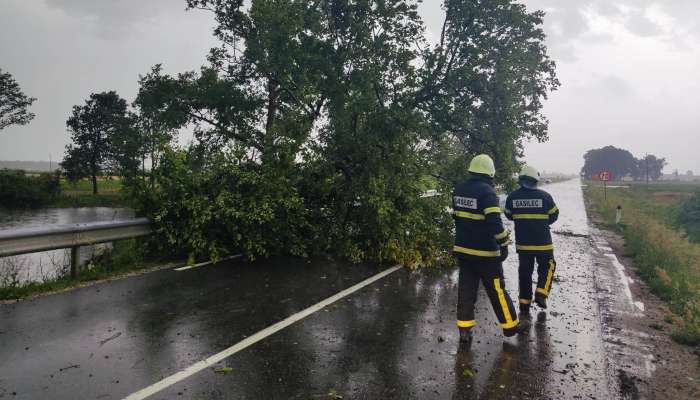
{"type": "Point", "coordinates": [605, 176]}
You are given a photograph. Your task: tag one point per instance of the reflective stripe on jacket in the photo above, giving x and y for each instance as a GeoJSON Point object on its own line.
{"type": "Point", "coordinates": [479, 228]}
{"type": "Point", "coordinates": [533, 211]}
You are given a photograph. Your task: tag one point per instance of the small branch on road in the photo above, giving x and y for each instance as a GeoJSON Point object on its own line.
{"type": "Point", "coordinates": [116, 335]}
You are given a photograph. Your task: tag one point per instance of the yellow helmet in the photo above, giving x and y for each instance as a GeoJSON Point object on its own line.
{"type": "Point", "coordinates": [530, 172]}
{"type": "Point", "coordinates": [482, 164]}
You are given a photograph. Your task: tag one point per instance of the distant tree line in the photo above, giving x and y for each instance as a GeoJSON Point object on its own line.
{"type": "Point", "coordinates": [621, 163]}
{"type": "Point", "coordinates": [318, 125]}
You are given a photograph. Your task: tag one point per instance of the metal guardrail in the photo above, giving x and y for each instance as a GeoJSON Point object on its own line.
{"type": "Point", "coordinates": [25, 241]}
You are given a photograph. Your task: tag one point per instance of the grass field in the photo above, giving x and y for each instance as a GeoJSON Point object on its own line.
{"type": "Point", "coordinates": [85, 186]}
{"type": "Point", "coordinates": [654, 228]}
{"type": "Point", "coordinates": [79, 194]}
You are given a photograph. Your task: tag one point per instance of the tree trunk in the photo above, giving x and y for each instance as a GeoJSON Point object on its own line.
{"type": "Point", "coordinates": [94, 183]}
{"type": "Point", "coordinates": [154, 162]}
{"type": "Point", "coordinates": [272, 105]}
{"type": "Point", "coordinates": [154, 165]}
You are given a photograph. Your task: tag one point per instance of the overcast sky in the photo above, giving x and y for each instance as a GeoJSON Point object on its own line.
{"type": "Point", "coordinates": [630, 69]}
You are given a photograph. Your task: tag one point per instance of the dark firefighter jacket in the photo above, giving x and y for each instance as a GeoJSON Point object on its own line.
{"type": "Point", "coordinates": [533, 211]}
{"type": "Point", "coordinates": [479, 229]}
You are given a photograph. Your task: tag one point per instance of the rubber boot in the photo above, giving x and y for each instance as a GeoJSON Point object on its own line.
{"type": "Point", "coordinates": [524, 311]}
{"type": "Point", "coordinates": [541, 301]}
{"type": "Point", "coordinates": [523, 327]}
{"type": "Point", "coordinates": [465, 336]}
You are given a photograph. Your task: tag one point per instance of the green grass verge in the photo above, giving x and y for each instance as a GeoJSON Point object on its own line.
{"type": "Point", "coordinates": [655, 187]}
{"type": "Point", "coordinates": [79, 194]}
{"type": "Point", "coordinates": [126, 256]}
{"type": "Point", "coordinates": [663, 256]}
{"type": "Point", "coordinates": [85, 185]}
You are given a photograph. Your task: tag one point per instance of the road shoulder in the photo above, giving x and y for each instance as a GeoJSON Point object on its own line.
{"type": "Point", "coordinates": [663, 368]}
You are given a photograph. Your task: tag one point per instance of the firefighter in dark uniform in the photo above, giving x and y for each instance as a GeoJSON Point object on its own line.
{"type": "Point", "coordinates": [533, 211]}
{"type": "Point", "coordinates": [481, 246]}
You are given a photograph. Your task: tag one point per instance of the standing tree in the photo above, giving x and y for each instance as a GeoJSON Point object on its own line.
{"type": "Point", "coordinates": [13, 103]}
{"type": "Point", "coordinates": [618, 161]}
{"type": "Point", "coordinates": [127, 149]}
{"type": "Point", "coordinates": [483, 85]}
{"type": "Point", "coordinates": [317, 123]}
{"type": "Point", "coordinates": [92, 128]}
{"type": "Point", "coordinates": [155, 126]}
{"type": "Point", "coordinates": [650, 167]}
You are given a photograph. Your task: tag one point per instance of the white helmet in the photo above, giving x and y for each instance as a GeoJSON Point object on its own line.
{"type": "Point", "coordinates": [530, 172]}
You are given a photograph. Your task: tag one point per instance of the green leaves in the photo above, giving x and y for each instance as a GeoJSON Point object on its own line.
{"type": "Point", "coordinates": [621, 163]}
{"type": "Point", "coordinates": [19, 190]}
{"type": "Point", "coordinates": [225, 206]}
{"type": "Point", "coordinates": [94, 127]}
{"type": "Point", "coordinates": [14, 104]}
{"type": "Point", "coordinates": [223, 370]}
{"type": "Point", "coordinates": [317, 125]}
{"type": "Point", "coordinates": [689, 217]}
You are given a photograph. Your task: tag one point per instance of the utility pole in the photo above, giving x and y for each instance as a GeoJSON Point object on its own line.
{"type": "Point", "coordinates": [646, 162]}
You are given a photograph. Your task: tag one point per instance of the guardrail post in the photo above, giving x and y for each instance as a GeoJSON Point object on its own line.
{"type": "Point", "coordinates": [74, 261]}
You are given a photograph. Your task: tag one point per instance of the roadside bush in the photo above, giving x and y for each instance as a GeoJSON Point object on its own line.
{"type": "Point", "coordinates": [689, 217]}
{"type": "Point", "coordinates": [19, 190]}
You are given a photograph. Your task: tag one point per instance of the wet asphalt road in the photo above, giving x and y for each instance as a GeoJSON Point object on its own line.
{"type": "Point", "coordinates": [393, 339]}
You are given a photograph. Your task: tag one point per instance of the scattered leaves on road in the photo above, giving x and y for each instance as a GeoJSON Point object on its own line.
{"type": "Point", "coordinates": [223, 370]}
{"type": "Point", "coordinates": [332, 395]}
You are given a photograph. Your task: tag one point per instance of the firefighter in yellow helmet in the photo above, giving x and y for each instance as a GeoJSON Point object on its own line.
{"type": "Point", "coordinates": [481, 246]}
{"type": "Point", "coordinates": [533, 210]}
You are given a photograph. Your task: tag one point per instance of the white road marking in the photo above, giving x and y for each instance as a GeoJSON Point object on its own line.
{"type": "Point", "coordinates": [249, 341]}
{"type": "Point", "coordinates": [185, 268]}
{"type": "Point", "coordinates": [625, 280]}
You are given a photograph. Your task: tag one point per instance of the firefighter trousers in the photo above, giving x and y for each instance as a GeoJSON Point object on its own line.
{"type": "Point", "coordinates": [546, 266]}
{"type": "Point", "coordinates": [490, 273]}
